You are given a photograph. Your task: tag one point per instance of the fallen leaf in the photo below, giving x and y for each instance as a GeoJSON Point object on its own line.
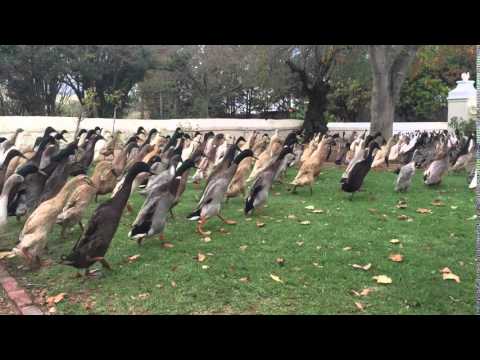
{"type": "Point", "coordinates": [143, 296]}
{"type": "Point", "coordinates": [359, 306]}
{"type": "Point", "coordinates": [364, 267]}
{"type": "Point", "coordinates": [55, 299]}
{"type": "Point", "coordinates": [133, 258]}
{"type": "Point", "coordinates": [373, 211]}
{"type": "Point", "coordinates": [316, 264]}
{"type": "Point", "coordinates": [451, 276]}
{"type": "Point", "coordinates": [305, 222]}
{"type": "Point", "coordinates": [366, 291]}
{"type": "Point", "coordinates": [244, 279]}
{"type": "Point", "coordinates": [424, 211]}
{"type": "Point", "coordinates": [201, 257]}
{"type": "Point", "coordinates": [276, 278]}
{"type": "Point", "coordinates": [318, 211]}
{"type": "Point", "coordinates": [205, 267]}
{"type": "Point", "coordinates": [223, 230]}
{"type": "Point", "coordinates": [280, 261]}
{"type": "Point", "coordinates": [404, 217]}
{"type": "Point", "coordinates": [347, 248]}
{"type": "Point", "coordinates": [453, 207]}
{"type": "Point", "coordinates": [356, 293]}
{"type": "Point", "coordinates": [291, 216]}
{"type": "Point", "coordinates": [438, 202]}
{"type": "Point", "coordinates": [277, 194]}
{"type": "Point", "coordinates": [167, 245]}
{"type": "Point", "coordinates": [396, 257]}
{"type": "Point", "coordinates": [395, 241]}
{"type": "Point", "coordinates": [445, 270]}
{"type": "Point", "coordinates": [299, 243]}
{"type": "Point", "coordinates": [207, 239]}
{"type": "Point", "coordinates": [260, 224]}
{"type": "Point", "coordinates": [382, 279]}
{"type": "Point", "coordinates": [174, 284]}
{"type": "Point", "coordinates": [52, 310]}
{"type": "Point", "coordinates": [248, 219]}
{"type": "Point", "coordinates": [472, 218]}
{"type": "Point", "coordinates": [310, 207]}
{"type": "Point", "coordinates": [402, 204]}
{"type": "Point", "coordinates": [243, 247]}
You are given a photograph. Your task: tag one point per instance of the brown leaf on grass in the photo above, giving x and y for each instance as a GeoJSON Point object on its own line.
{"type": "Point", "coordinates": [382, 279]}
{"type": "Point", "coordinates": [133, 258]}
{"type": "Point", "coordinates": [310, 207]}
{"type": "Point", "coordinates": [143, 296]}
{"type": "Point", "coordinates": [373, 211]}
{"type": "Point", "coordinates": [364, 267]}
{"type": "Point", "coordinates": [276, 278]}
{"type": "Point", "coordinates": [244, 279]}
{"type": "Point", "coordinates": [359, 306]}
{"type": "Point", "coordinates": [396, 257]}
{"type": "Point", "coordinates": [51, 300]}
{"type": "Point", "coordinates": [260, 224]}
{"type": "Point", "coordinates": [318, 211]}
{"type": "Point", "coordinates": [174, 284]}
{"type": "Point", "coordinates": [243, 247]}
{"type": "Point", "coordinates": [248, 219]}
{"type": "Point", "coordinates": [201, 257]}
{"type": "Point", "coordinates": [291, 216]}
{"type": "Point", "coordinates": [405, 217]}
{"type": "Point", "coordinates": [305, 222]}
{"type": "Point", "coordinates": [205, 267]}
{"type": "Point", "coordinates": [451, 276]}
{"type": "Point", "coordinates": [356, 293]}
{"type": "Point", "coordinates": [280, 261]}
{"type": "Point", "coordinates": [207, 239]}
{"type": "Point", "coordinates": [394, 241]}
{"type": "Point", "coordinates": [366, 291]}
{"type": "Point", "coordinates": [299, 243]}
{"type": "Point", "coordinates": [347, 248]}
{"type": "Point", "coordinates": [424, 211]}
{"type": "Point", "coordinates": [438, 202]}
{"type": "Point", "coordinates": [52, 310]}
{"type": "Point", "coordinates": [445, 270]}
{"type": "Point", "coordinates": [223, 230]}
{"type": "Point", "coordinates": [167, 245]}
{"type": "Point", "coordinates": [277, 194]}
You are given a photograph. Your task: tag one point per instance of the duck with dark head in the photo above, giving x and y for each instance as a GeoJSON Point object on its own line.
{"type": "Point", "coordinates": [95, 241]}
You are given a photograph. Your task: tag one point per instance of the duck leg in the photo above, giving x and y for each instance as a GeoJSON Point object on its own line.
{"type": "Point", "coordinates": [62, 233]}
{"type": "Point", "coordinates": [311, 190]}
{"type": "Point", "coordinates": [200, 224]}
{"type": "Point", "coordinates": [81, 225]}
{"type": "Point", "coordinates": [228, 222]}
{"type": "Point", "coordinates": [171, 214]}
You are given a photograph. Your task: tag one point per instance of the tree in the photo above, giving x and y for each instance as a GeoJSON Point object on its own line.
{"type": "Point", "coordinates": [390, 64]}
{"type": "Point", "coordinates": [313, 64]}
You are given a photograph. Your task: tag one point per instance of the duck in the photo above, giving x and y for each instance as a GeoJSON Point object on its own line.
{"type": "Point", "coordinates": [34, 235]}
{"type": "Point", "coordinates": [152, 217]}
{"type": "Point", "coordinates": [260, 189]}
{"type": "Point", "coordinates": [86, 158]}
{"type": "Point", "coordinates": [9, 191]}
{"type": "Point", "coordinates": [465, 156]}
{"type": "Point", "coordinates": [360, 149]}
{"type": "Point", "coordinates": [439, 167]}
{"type": "Point", "coordinates": [162, 174]}
{"type": "Point", "coordinates": [211, 201]}
{"type": "Point", "coordinates": [381, 157]}
{"type": "Point", "coordinates": [46, 133]}
{"type": "Point", "coordinates": [9, 155]}
{"type": "Point", "coordinates": [273, 149]}
{"type": "Point", "coordinates": [7, 144]}
{"type": "Point", "coordinates": [76, 205]}
{"type": "Point", "coordinates": [310, 169]}
{"type": "Point", "coordinates": [359, 171]}
{"type": "Point", "coordinates": [310, 148]}
{"type": "Point", "coordinates": [59, 175]}
{"type": "Point", "coordinates": [95, 241]}
{"type": "Point", "coordinates": [212, 142]}
{"type": "Point", "coordinates": [405, 176]}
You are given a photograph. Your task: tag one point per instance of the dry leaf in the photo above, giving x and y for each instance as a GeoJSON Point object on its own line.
{"type": "Point", "coordinates": [382, 279]}
{"type": "Point", "coordinates": [445, 270]}
{"type": "Point", "coordinates": [143, 296]}
{"type": "Point", "coordinates": [277, 194]}
{"type": "Point", "coordinates": [174, 284]}
{"type": "Point", "coordinates": [396, 257]}
{"type": "Point", "coordinates": [223, 230]}
{"type": "Point", "coordinates": [365, 267]}
{"type": "Point", "coordinates": [438, 202]}
{"type": "Point", "coordinates": [244, 279]}
{"type": "Point", "coordinates": [167, 245]}
{"type": "Point", "coordinates": [359, 306]}
{"type": "Point", "coordinates": [207, 239]}
{"type": "Point", "coordinates": [55, 299]}
{"type": "Point", "coordinates": [201, 257]}
{"type": "Point", "coordinates": [373, 211]}
{"type": "Point", "coordinates": [366, 291]}
{"type": "Point", "coordinates": [424, 211]}
{"type": "Point", "coordinates": [280, 261]}
{"type": "Point", "coordinates": [472, 218]}
{"type": "Point", "coordinates": [291, 216]}
{"type": "Point", "coordinates": [260, 224]}
{"type": "Point", "coordinates": [402, 204]}
{"type": "Point", "coordinates": [404, 217]}
{"type": "Point", "coordinates": [347, 248]}
{"type": "Point", "coordinates": [318, 211]}
{"type": "Point", "coordinates": [453, 207]}
{"type": "Point", "coordinates": [248, 219]}
{"type": "Point", "coordinates": [299, 243]}
{"type": "Point", "coordinates": [451, 276]}
{"type": "Point", "coordinates": [205, 267]}
{"type": "Point", "coordinates": [395, 241]}
{"type": "Point", "coordinates": [305, 222]}
{"type": "Point", "coordinates": [243, 247]}
{"type": "Point", "coordinates": [310, 207]}
{"type": "Point", "coordinates": [356, 293]}
{"type": "Point", "coordinates": [133, 258]}
{"type": "Point", "coordinates": [276, 278]}
{"type": "Point", "coordinates": [52, 310]}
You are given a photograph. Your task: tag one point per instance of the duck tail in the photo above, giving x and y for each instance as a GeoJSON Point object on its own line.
{"type": "Point", "coordinates": [195, 215]}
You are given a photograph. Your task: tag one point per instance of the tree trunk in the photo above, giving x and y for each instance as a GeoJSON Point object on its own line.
{"type": "Point", "coordinates": [390, 64]}
{"type": "Point", "coordinates": [314, 117]}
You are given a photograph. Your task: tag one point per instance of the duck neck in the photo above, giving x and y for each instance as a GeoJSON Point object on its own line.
{"type": "Point", "coordinates": [121, 197]}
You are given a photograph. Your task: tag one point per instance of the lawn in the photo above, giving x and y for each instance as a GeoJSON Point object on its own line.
{"type": "Point", "coordinates": [316, 274]}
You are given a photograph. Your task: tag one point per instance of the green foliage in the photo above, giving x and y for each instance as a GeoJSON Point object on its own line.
{"type": "Point", "coordinates": [347, 100]}
{"type": "Point", "coordinates": [464, 128]}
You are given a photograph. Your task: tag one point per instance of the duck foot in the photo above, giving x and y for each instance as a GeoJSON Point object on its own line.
{"type": "Point", "coordinates": [199, 229]}
{"type": "Point", "coordinates": [228, 222]}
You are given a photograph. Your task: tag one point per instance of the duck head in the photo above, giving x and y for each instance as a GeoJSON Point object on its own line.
{"type": "Point", "coordinates": [2, 139]}
{"type": "Point", "coordinates": [26, 170]}
{"type": "Point", "coordinates": [187, 164]}
{"type": "Point", "coordinates": [10, 155]}
{"type": "Point", "coordinates": [138, 168]}
{"type": "Point", "coordinates": [244, 154]}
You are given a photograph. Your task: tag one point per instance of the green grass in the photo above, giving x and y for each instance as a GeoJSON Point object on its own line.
{"type": "Point", "coordinates": [430, 242]}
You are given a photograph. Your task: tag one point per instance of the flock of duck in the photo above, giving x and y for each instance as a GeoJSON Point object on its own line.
{"type": "Point", "coordinates": [48, 183]}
